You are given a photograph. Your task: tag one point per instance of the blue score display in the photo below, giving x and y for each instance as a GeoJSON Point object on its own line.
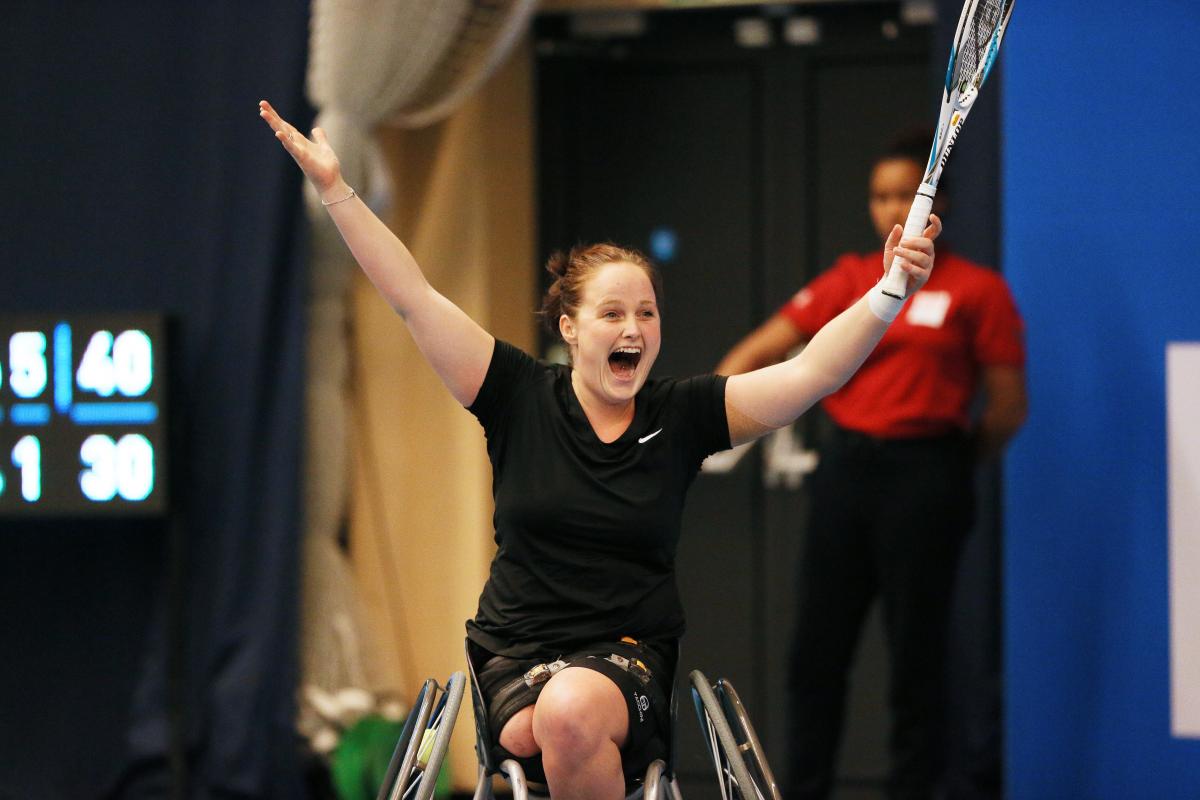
{"type": "Point", "coordinates": [82, 415]}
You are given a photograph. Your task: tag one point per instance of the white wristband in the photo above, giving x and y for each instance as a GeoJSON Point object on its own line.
{"type": "Point", "coordinates": [884, 306]}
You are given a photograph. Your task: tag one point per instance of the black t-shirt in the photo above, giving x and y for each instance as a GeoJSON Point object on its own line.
{"type": "Point", "coordinates": [586, 531]}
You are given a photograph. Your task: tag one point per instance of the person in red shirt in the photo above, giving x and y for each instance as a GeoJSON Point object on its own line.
{"type": "Point", "coordinates": [893, 496]}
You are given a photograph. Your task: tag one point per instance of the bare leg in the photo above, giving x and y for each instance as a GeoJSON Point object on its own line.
{"type": "Point", "coordinates": [517, 736]}
{"type": "Point", "coordinates": [580, 722]}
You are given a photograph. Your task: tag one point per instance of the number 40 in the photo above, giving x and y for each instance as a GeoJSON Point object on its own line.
{"type": "Point", "coordinates": [123, 363]}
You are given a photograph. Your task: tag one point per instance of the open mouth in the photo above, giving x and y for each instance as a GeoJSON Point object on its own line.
{"type": "Point", "coordinates": [623, 361]}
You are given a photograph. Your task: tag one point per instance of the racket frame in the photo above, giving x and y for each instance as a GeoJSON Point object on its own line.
{"type": "Point", "coordinates": [957, 99]}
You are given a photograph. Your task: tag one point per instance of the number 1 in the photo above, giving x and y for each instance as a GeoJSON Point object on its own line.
{"type": "Point", "coordinates": [27, 456]}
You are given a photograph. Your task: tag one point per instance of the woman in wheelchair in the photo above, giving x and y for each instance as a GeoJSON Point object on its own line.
{"type": "Point", "coordinates": [614, 695]}
{"type": "Point", "coordinates": [591, 462]}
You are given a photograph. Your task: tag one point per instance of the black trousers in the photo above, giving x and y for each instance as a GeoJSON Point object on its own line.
{"type": "Point", "coordinates": [887, 519]}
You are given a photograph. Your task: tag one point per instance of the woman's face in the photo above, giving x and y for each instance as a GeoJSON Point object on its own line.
{"type": "Point", "coordinates": [893, 184]}
{"type": "Point", "coordinates": [615, 335]}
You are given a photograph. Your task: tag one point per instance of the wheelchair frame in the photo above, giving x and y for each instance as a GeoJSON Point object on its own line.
{"type": "Point", "coordinates": [733, 746]}
{"type": "Point", "coordinates": [417, 758]}
{"type": "Point", "coordinates": [657, 784]}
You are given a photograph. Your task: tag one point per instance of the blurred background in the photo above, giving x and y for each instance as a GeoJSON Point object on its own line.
{"type": "Point", "coordinates": [328, 524]}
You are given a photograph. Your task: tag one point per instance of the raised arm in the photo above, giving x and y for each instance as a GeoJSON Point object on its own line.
{"type": "Point", "coordinates": [767, 344]}
{"type": "Point", "coordinates": [760, 401]}
{"type": "Point", "coordinates": [457, 348]}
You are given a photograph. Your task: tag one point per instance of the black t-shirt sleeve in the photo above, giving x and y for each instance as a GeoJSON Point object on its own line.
{"type": "Point", "coordinates": [704, 399]}
{"type": "Point", "coordinates": [509, 370]}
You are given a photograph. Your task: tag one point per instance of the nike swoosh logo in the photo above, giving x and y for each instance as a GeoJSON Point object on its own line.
{"type": "Point", "coordinates": [649, 436]}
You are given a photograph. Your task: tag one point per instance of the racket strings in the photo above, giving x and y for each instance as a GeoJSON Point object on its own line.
{"type": "Point", "coordinates": [973, 52]}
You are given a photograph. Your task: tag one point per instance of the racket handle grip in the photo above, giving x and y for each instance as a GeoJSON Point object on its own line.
{"type": "Point", "coordinates": [895, 284]}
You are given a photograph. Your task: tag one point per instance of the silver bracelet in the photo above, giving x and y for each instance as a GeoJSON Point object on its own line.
{"type": "Point", "coordinates": [340, 200]}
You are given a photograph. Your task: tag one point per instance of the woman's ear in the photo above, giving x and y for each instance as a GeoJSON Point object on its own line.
{"type": "Point", "coordinates": [566, 328]}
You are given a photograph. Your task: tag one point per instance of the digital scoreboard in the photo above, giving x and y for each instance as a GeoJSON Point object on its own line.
{"type": "Point", "coordinates": [83, 428]}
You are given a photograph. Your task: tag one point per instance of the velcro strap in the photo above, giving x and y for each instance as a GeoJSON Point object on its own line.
{"type": "Point", "coordinates": [634, 666]}
{"type": "Point", "coordinates": [542, 672]}
{"type": "Point", "coordinates": [509, 690]}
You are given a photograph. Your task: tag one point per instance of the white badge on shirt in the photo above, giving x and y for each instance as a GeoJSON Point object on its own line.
{"type": "Point", "coordinates": [928, 309]}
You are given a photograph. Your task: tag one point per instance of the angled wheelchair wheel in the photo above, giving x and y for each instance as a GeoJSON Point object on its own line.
{"type": "Point", "coordinates": [437, 735]}
{"type": "Point", "coordinates": [404, 757]}
{"type": "Point", "coordinates": [747, 740]}
{"type": "Point", "coordinates": [737, 755]}
{"type": "Point", "coordinates": [421, 749]}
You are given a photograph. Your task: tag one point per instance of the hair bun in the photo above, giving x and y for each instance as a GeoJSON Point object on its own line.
{"type": "Point", "coordinates": [558, 263]}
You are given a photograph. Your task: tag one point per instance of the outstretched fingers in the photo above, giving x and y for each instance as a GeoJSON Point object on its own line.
{"type": "Point", "coordinates": [314, 156]}
{"type": "Point", "coordinates": [292, 140]}
{"type": "Point", "coordinates": [272, 118]}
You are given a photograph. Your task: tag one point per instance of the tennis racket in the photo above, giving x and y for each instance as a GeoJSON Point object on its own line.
{"type": "Point", "coordinates": [976, 43]}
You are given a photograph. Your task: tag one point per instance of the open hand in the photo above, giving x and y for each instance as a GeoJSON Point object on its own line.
{"type": "Point", "coordinates": [314, 156]}
{"type": "Point", "coordinates": [916, 255]}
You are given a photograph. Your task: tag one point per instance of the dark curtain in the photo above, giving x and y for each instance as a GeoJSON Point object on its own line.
{"type": "Point", "coordinates": [158, 657]}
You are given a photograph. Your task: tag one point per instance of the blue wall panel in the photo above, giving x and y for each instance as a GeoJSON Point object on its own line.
{"type": "Point", "coordinates": [1100, 244]}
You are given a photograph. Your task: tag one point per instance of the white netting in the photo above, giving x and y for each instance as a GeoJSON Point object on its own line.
{"type": "Point", "coordinates": [486, 36]}
{"type": "Point", "coordinates": [401, 61]}
{"type": "Point", "coordinates": [367, 58]}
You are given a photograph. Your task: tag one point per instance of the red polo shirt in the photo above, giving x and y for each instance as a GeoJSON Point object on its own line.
{"type": "Point", "coordinates": [921, 378]}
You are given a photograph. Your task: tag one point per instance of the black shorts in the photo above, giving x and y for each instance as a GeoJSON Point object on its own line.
{"type": "Point", "coordinates": [647, 698]}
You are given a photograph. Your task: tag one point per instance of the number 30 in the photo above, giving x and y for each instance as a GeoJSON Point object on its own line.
{"type": "Point", "coordinates": [124, 467]}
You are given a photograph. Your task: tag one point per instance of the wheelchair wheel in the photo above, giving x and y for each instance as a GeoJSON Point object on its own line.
{"type": "Point", "coordinates": [743, 731]}
{"type": "Point", "coordinates": [404, 757]}
{"type": "Point", "coordinates": [436, 740]}
{"type": "Point", "coordinates": [714, 707]}
{"type": "Point", "coordinates": [421, 749]}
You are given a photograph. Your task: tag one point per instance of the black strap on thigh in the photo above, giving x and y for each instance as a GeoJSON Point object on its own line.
{"type": "Point", "coordinates": [510, 684]}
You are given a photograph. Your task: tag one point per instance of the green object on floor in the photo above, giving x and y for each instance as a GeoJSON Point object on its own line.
{"type": "Point", "coordinates": [359, 762]}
